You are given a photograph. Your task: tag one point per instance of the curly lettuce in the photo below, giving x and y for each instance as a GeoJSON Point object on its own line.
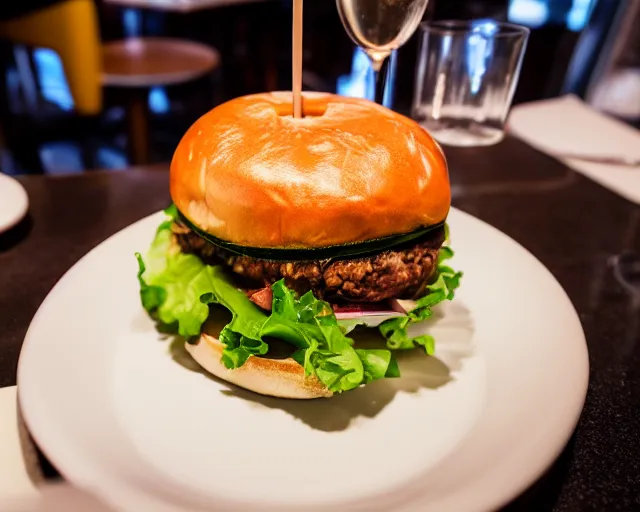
{"type": "Point", "coordinates": [177, 290]}
{"type": "Point", "coordinates": [311, 326]}
{"type": "Point", "coordinates": [395, 330]}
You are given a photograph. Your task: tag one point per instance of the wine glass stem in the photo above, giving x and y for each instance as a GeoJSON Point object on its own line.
{"type": "Point", "coordinates": [381, 81]}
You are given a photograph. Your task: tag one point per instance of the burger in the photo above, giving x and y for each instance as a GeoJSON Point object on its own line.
{"type": "Point", "coordinates": [299, 229]}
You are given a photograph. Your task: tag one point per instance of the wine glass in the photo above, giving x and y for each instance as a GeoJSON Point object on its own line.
{"type": "Point", "coordinates": [379, 27]}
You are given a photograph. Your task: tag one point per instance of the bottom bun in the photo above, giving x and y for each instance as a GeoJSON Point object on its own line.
{"type": "Point", "coordinates": [282, 378]}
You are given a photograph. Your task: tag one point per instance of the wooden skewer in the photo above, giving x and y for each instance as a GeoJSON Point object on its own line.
{"type": "Point", "coordinates": [297, 58]}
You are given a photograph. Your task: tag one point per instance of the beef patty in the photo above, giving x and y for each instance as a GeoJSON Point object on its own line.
{"type": "Point", "coordinates": [402, 272]}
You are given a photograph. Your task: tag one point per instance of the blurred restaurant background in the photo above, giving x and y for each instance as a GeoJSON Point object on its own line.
{"type": "Point", "coordinates": [109, 84]}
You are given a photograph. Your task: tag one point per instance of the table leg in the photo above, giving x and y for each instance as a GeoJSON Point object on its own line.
{"type": "Point", "coordinates": [138, 126]}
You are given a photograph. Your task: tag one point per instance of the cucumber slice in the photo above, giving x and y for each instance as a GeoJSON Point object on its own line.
{"type": "Point", "coordinates": [349, 250]}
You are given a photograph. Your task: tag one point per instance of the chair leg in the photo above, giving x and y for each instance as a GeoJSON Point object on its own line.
{"type": "Point", "coordinates": [26, 152]}
{"type": "Point", "coordinates": [138, 126]}
{"type": "Point", "coordinates": [216, 83]}
{"type": "Point", "coordinates": [28, 81]}
{"type": "Point", "coordinates": [21, 142]}
{"type": "Point", "coordinates": [88, 150]}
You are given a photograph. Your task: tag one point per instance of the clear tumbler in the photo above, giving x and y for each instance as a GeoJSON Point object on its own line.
{"type": "Point", "coordinates": [466, 76]}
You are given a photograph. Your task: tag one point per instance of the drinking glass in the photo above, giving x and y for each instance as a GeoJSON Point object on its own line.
{"type": "Point", "coordinates": [466, 76]}
{"type": "Point", "coordinates": [379, 27]}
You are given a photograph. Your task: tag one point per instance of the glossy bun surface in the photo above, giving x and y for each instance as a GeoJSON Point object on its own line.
{"type": "Point", "coordinates": [350, 170]}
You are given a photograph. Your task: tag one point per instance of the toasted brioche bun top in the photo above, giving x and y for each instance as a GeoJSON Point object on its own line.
{"type": "Point", "coordinates": [350, 170]}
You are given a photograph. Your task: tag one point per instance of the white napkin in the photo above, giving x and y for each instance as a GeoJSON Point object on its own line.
{"type": "Point", "coordinates": [14, 479]}
{"type": "Point", "coordinates": [569, 125]}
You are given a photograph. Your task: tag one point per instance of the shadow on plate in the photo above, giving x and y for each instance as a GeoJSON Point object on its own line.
{"type": "Point", "coordinates": [454, 330]}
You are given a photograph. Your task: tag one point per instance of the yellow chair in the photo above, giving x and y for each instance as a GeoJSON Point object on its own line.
{"type": "Point", "coordinates": [71, 29]}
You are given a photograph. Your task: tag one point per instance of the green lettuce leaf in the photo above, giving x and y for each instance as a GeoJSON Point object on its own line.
{"type": "Point", "coordinates": [310, 325]}
{"type": "Point", "coordinates": [177, 289]}
{"type": "Point", "coordinates": [395, 330]}
{"type": "Point", "coordinates": [241, 336]}
{"type": "Point", "coordinates": [171, 284]}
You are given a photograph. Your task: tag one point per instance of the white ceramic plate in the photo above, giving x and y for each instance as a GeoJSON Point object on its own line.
{"type": "Point", "coordinates": [120, 413]}
{"type": "Point", "coordinates": [14, 202]}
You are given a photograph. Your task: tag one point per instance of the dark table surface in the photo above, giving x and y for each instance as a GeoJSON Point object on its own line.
{"type": "Point", "coordinates": [571, 224]}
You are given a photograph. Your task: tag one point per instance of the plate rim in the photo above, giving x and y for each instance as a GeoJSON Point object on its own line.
{"type": "Point", "coordinates": [23, 203]}
{"type": "Point", "coordinates": [498, 497]}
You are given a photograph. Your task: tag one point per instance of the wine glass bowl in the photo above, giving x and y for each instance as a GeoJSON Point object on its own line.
{"type": "Point", "coordinates": [379, 27]}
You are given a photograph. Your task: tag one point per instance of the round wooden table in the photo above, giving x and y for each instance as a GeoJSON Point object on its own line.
{"type": "Point", "coordinates": [140, 63]}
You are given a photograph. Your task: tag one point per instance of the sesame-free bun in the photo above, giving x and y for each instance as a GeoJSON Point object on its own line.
{"type": "Point", "coordinates": [282, 378]}
{"type": "Point", "coordinates": [350, 170]}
